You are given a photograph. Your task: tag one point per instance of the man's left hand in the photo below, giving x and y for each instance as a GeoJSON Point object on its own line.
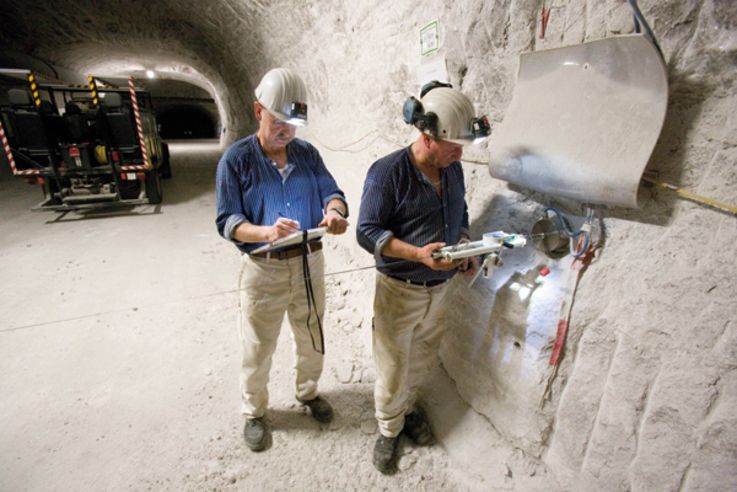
{"type": "Point", "coordinates": [334, 222]}
{"type": "Point", "coordinates": [469, 266]}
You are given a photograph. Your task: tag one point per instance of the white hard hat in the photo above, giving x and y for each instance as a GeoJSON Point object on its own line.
{"type": "Point", "coordinates": [283, 94]}
{"type": "Point", "coordinates": [446, 114]}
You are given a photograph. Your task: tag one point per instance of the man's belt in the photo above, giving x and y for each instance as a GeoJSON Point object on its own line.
{"type": "Point", "coordinates": [429, 283]}
{"type": "Point", "coordinates": [290, 252]}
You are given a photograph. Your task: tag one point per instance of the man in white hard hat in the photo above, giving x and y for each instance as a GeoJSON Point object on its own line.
{"type": "Point", "coordinates": [270, 185]}
{"type": "Point", "coordinates": [413, 204]}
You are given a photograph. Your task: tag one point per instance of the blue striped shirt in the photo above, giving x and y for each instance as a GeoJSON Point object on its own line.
{"type": "Point", "coordinates": [399, 201]}
{"type": "Point", "coordinates": [249, 187]}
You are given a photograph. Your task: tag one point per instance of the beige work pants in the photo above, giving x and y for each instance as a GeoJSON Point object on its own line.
{"type": "Point", "coordinates": [409, 322]}
{"type": "Point", "coordinates": [268, 289]}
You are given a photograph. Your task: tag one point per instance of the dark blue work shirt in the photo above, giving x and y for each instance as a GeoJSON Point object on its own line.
{"type": "Point", "coordinates": [249, 187]}
{"type": "Point", "coordinates": [399, 201]}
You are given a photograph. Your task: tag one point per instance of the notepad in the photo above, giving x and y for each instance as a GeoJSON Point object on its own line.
{"type": "Point", "coordinates": [292, 239]}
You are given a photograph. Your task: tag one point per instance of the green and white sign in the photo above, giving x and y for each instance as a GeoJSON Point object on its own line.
{"type": "Point", "coordinates": [429, 38]}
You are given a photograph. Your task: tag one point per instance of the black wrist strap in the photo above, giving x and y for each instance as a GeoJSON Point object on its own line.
{"type": "Point", "coordinates": [338, 211]}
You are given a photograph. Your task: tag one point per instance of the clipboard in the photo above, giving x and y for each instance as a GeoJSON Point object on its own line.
{"type": "Point", "coordinates": [292, 239]}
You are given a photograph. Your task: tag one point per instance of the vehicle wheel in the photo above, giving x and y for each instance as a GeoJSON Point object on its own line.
{"type": "Point", "coordinates": [153, 187]}
{"type": "Point", "coordinates": [165, 164]}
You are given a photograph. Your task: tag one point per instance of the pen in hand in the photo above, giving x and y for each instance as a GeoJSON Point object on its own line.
{"type": "Point", "coordinates": [285, 226]}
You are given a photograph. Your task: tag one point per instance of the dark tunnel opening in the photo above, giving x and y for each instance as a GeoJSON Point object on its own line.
{"type": "Point", "coordinates": [186, 122]}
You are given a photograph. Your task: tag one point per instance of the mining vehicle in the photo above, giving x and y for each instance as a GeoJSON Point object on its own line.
{"type": "Point", "coordinates": [89, 147]}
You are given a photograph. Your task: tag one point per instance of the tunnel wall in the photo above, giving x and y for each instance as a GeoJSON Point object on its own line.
{"type": "Point", "coordinates": [644, 397]}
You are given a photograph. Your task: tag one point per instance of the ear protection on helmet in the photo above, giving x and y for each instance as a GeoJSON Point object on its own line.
{"type": "Point", "coordinates": [414, 114]}
{"type": "Point", "coordinates": [411, 110]}
{"type": "Point", "coordinates": [432, 85]}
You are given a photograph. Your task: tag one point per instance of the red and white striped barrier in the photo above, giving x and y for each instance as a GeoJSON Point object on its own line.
{"type": "Point", "coordinates": [11, 159]}
{"type": "Point", "coordinates": [139, 128]}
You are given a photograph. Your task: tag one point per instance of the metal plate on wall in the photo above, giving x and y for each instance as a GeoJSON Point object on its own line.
{"type": "Point", "coordinates": [583, 120]}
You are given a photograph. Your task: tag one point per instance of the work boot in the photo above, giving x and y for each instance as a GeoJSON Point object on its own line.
{"type": "Point", "coordinates": [385, 454]}
{"type": "Point", "coordinates": [256, 434]}
{"type": "Point", "coordinates": [320, 409]}
{"type": "Point", "coordinates": [418, 429]}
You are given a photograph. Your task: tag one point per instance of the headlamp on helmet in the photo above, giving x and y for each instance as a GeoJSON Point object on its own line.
{"type": "Point", "coordinates": [298, 114]}
{"type": "Point", "coordinates": [481, 129]}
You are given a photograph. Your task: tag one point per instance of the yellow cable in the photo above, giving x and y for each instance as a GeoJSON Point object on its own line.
{"type": "Point", "coordinates": [692, 196]}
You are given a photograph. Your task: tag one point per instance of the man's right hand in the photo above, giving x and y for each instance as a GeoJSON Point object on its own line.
{"type": "Point", "coordinates": [281, 228]}
{"type": "Point", "coordinates": [424, 256]}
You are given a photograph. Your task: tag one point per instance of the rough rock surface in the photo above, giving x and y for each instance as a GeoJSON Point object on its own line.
{"type": "Point", "coordinates": [645, 396]}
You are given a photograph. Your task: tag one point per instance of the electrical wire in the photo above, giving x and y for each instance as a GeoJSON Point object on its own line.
{"type": "Point", "coordinates": [640, 19]}
{"type": "Point", "coordinates": [580, 239]}
{"type": "Point", "coordinates": [346, 148]}
{"type": "Point", "coordinates": [187, 299]}
{"type": "Point", "coordinates": [562, 223]}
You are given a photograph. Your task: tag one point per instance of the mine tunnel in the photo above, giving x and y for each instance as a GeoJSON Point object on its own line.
{"type": "Point", "coordinates": [186, 122]}
{"type": "Point", "coordinates": [589, 345]}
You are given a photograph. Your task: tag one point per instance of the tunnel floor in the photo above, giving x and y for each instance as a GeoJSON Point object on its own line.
{"type": "Point", "coordinates": [119, 358]}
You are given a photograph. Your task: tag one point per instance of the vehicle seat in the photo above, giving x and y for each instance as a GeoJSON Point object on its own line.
{"type": "Point", "coordinates": [120, 130]}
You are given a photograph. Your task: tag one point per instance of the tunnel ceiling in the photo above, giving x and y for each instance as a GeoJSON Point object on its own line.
{"type": "Point", "coordinates": [179, 39]}
{"type": "Point", "coordinates": [223, 47]}
{"type": "Point", "coordinates": [71, 32]}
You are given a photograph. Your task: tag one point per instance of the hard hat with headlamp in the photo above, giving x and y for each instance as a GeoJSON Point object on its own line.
{"type": "Point", "coordinates": [445, 113]}
{"type": "Point", "coordinates": [283, 94]}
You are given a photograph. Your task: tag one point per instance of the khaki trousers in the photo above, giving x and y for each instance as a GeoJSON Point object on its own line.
{"type": "Point", "coordinates": [268, 289]}
{"type": "Point", "coordinates": [409, 323]}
